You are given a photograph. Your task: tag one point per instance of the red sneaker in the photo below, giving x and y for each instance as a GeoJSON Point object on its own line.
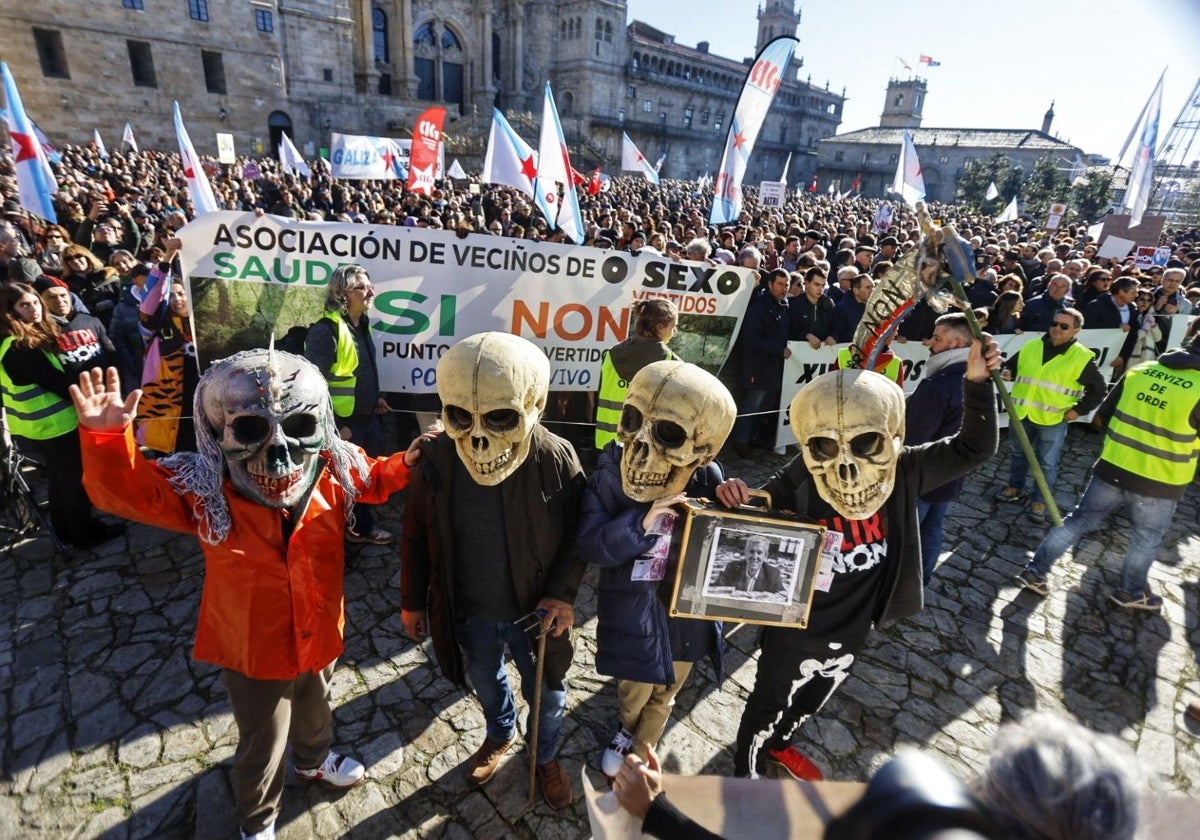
{"type": "Point", "coordinates": [794, 763]}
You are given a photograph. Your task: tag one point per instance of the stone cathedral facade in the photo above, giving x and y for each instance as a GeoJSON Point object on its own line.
{"type": "Point", "coordinates": [258, 68]}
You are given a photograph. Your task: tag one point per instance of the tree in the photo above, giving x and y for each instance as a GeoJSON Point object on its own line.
{"type": "Point", "coordinates": [1090, 196]}
{"type": "Point", "coordinates": [998, 169]}
{"type": "Point", "coordinates": [1046, 185]}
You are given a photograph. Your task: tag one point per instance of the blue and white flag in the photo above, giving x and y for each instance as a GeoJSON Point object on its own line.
{"type": "Point", "coordinates": [633, 160]}
{"type": "Point", "coordinates": [361, 157]}
{"type": "Point", "coordinates": [100, 150]}
{"type": "Point", "coordinates": [554, 168]}
{"type": "Point", "coordinates": [199, 190]}
{"type": "Point", "coordinates": [757, 94]}
{"type": "Point", "coordinates": [1141, 176]}
{"type": "Point", "coordinates": [35, 178]}
{"type": "Point", "coordinates": [291, 159]}
{"type": "Point", "coordinates": [908, 183]}
{"type": "Point", "coordinates": [509, 159]}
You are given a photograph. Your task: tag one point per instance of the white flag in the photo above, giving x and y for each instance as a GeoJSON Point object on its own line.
{"type": "Point", "coordinates": [1009, 214]}
{"type": "Point", "coordinates": [554, 168]}
{"type": "Point", "coordinates": [787, 164]}
{"type": "Point", "coordinates": [456, 170]}
{"type": "Point", "coordinates": [992, 192]}
{"type": "Point", "coordinates": [291, 159]}
{"type": "Point", "coordinates": [908, 183]}
{"type": "Point", "coordinates": [100, 150]}
{"type": "Point", "coordinates": [633, 160]}
{"type": "Point", "coordinates": [509, 159]}
{"type": "Point", "coordinates": [199, 189]}
{"type": "Point", "coordinates": [127, 137]}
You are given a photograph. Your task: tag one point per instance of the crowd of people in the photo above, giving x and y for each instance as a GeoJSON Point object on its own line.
{"type": "Point", "coordinates": [100, 289]}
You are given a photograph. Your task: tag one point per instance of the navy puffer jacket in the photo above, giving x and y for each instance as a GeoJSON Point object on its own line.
{"type": "Point", "coordinates": [635, 639]}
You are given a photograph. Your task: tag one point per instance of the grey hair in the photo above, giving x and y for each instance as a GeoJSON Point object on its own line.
{"type": "Point", "coordinates": [201, 473]}
{"type": "Point", "coordinates": [1049, 778]}
{"type": "Point", "coordinates": [698, 249]}
{"type": "Point", "coordinates": [335, 292]}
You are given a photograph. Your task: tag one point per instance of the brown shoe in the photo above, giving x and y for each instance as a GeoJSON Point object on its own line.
{"type": "Point", "coordinates": [555, 784]}
{"type": "Point", "coordinates": [482, 765]}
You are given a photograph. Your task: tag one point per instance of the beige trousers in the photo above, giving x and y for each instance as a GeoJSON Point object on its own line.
{"type": "Point", "coordinates": [270, 714]}
{"type": "Point", "coordinates": [645, 707]}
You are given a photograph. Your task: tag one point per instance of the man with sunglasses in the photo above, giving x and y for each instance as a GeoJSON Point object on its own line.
{"type": "Point", "coordinates": [1056, 382]}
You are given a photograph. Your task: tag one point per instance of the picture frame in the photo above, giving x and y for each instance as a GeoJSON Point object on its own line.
{"type": "Point", "coordinates": [749, 565]}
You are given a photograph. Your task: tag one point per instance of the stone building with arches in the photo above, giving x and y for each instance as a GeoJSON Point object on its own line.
{"type": "Point", "coordinates": [259, 68]}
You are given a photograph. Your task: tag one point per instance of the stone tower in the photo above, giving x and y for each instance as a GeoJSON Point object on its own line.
{"type": "Point", "coordinates": [775, 18]}
{"type": "Point", "coordinates": [1048, 118]}
{"type": "Point", "coordinates": [902, 108]}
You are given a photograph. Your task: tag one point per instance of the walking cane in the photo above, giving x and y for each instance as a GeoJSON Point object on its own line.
{"type": "Point", "coordinates": [531, 745]}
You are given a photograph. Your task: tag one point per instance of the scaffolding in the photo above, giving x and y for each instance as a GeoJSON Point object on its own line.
{"type": "Point", "coordinates": [1177, 167]}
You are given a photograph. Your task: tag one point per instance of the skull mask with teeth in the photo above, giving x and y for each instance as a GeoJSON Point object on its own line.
{"type": "Point", "coordinates": [269, 414]}
{"type": "Point", "coordinates": [493, 388]}
{"type": "Point", "coordinates": [850, 427]}
{"type": "Point", "coordinates": [675, 420]}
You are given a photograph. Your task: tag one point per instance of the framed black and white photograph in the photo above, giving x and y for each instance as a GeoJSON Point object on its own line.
{"type": "Point", "coordinates": [746, 565]}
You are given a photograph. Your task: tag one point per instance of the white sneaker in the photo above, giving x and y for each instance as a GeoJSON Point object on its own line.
{"type": "Point", "coordinates": [337, 770]}
{"type": "Point", "coordinates": [614, 756]}
{"type": "Point", "coordinates": [267, 833]}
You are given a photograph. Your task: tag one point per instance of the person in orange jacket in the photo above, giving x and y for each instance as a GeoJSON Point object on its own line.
{"type": "Point", "coordinates": [269, 493]}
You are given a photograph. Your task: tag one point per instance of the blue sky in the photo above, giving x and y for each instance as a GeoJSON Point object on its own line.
{"type": "Point", "coordinates": [1001, 63]}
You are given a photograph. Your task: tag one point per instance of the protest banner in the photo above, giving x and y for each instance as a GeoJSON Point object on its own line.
{"type": "Point", "coordinates": [250, 277]}
{"type": "Point", "coordinates": [806, 364]}
{"type": "Point", "coordinates": [772, 194]}
{"type": "Point", "coordinates": [1146, 233]}
{"type": "Point", "coordinates": [225, 150]}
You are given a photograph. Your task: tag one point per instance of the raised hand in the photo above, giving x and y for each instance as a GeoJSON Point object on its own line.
{"type": "Point", "coordinates": [99, 403]}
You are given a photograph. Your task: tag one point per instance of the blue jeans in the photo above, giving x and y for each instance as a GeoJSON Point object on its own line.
{"type": "Point", "coordinates": [931, 515]}
{"type": "Point", "coordinates": [483, 644]}
{"type": "Point", "coordinates": [1150, 517]}
{"type": "Point", "coordinates": [1047, 442]}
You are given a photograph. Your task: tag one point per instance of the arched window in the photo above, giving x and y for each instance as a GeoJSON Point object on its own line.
{"type": "Point", "coordinates": [379, 31]}
{"type": "Point", "coordinates": [450, 40]}
{"type": "Point", "coordinates": [438, 63]}
{"type": "Point", "coordinates": [425, 36]}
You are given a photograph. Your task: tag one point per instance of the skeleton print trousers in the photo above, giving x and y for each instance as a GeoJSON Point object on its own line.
{"type": "Point", "coordinates": [791, 685]}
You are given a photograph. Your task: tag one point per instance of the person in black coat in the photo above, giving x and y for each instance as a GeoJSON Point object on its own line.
{"type": "Point", "coordinates": [763, 340]}
{"type": "Point", "coordinates": [1115, 310]}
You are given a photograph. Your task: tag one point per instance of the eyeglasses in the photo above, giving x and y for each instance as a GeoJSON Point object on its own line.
{"type": "Point", "coordinates": [1059, 325]}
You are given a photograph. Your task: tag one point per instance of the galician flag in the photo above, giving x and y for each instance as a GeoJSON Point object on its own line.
{"type": "Point", "coordinates": [1141, 177]}
{"type": "Point", "coordinates": [992, 192]}
{"type": "Point", "coordinates": [633, 160]}
{"type": "Point", "coordinates": [199, 189]}
{"type": "Point", "coordinates": [908, 183]}
{"type": "Point", "coordinates": [554, 168]}
{"type": "Point", "coordinates": [100, 150]}
{"type": "Point", "coordinates": [291, 159]}
{"type": "Point", "coordinates": [509, 159]}
{"type": "Point", "coordinates": [127, 137]}
{"type": "Point", "coordinates": [35, 178]}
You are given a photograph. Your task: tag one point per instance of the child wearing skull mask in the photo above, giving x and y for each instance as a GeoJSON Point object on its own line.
{"type": "Point", "coordinates": [847, 422]}
{"type": "Point", "coordinates": [626, 530]}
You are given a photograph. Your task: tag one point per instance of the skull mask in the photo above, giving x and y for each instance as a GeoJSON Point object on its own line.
{"type": "Point", "coordinates": [493, 388]}
{"type": "Point", "coordinates": [267, 411]}
{"type": "Point", "coordinates": [850, 426]}
{"type": "Point", "coordinates": [675, 420]}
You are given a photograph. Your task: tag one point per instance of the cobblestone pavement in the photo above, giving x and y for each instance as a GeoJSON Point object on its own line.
{"type": "Point", "coordinates": [114, 732]}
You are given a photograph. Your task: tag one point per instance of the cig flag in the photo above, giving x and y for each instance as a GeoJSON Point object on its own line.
{"type": "Point", "coordinates": [633, 160]}
{"type": "Point", "coordinates": [1141, 176]}
{"type": "Point", "coordinates": [554, 168]}
{"type": "Point", "coordinates": [509, 159]}
{"type": "Point", "coordinates": [127, 137]}
{"type": "Point", "coordinates": [291, 159]}
{"type": "Point", "coordinates": [425, 150]}
{"type": "Point", "coordinates": [197, 182]}
{"type": "Point", "coordinates": [35, 179]}
{"type": "Point", "coordinates": [908, 183]}
{"type": "Point", "coordinates": [757, 94]}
